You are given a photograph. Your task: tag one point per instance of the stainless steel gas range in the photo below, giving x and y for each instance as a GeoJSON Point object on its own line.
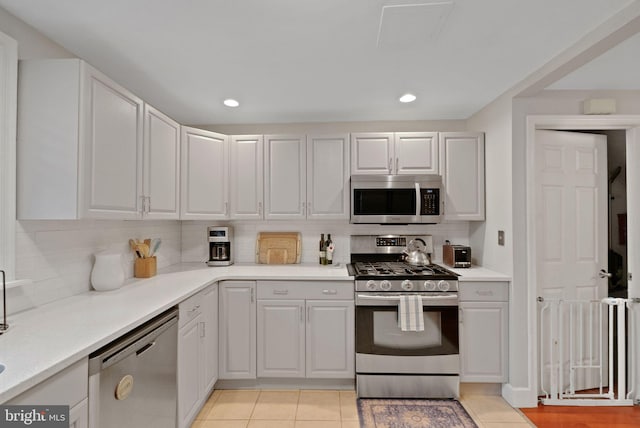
{"type": "Point", "coordinates": [392, 362]}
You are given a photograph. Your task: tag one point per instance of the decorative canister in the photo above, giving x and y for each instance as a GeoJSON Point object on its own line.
{"type": "Point", "coordinates": [107, 273]}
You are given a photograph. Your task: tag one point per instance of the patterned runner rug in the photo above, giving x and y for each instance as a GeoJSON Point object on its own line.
{"type": "Point", "coordinates": [381, 413]}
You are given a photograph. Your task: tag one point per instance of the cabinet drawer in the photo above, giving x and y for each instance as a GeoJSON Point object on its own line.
{"type": "Point", "coordinates": [68, 387]}
{"type": "Point", "coordinates": [316, 290]}
{"type": "Point", "coordinates": [484, 291]}
{"type": "Point", "coordinates": [189, 309]}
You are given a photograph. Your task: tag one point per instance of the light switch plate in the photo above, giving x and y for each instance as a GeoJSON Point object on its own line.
{"type": "Point", "coordinates": [501, 237]}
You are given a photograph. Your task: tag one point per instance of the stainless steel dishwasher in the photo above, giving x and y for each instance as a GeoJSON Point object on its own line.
{"type": "Point", "coordinates": [132, 380]}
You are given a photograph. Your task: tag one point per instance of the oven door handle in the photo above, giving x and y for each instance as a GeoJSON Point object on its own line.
{"type": "Point", "coordinates": [446, 299]}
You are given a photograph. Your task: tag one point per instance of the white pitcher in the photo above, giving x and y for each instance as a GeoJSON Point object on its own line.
{"type": "Point", "coordinates": [107, 273]}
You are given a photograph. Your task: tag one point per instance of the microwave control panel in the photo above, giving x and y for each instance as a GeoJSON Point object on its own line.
{"type": "Point", "coordinates": [430, 201]}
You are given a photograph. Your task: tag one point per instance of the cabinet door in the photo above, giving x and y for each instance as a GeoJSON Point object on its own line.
{"type": "Point", "coordinates": [79, 415]}
{"type": "Point", "coordinates": [161, 165]}
{"type": "Point", "coordinates": [112, 148]}
{"type": "Point", "coordinates": [204, 184]}
{"type": "Point", "coordinates": [483, 341]}
{"type": "Point", "coordinates": [330, 339]}
{"type": "Point", "coordinates": [209, 332]}
{"type": "Point", "coordinates": [285, 177]}
{"type": "Point", "coordinates": [281, 338]}
{"type": "Point", "coordinates": [246, 169]}
{"type": "Point", "coordinates": [462, 169]}
{"type": "Point", "coordinates": [372, 153]}
{"type": "Point", "coordinates": [237, 330]}
{"type": "Point", "coordinates": [189, 363]}
{"type": "Point", "coordinates": [416, 153]}
{"type": "Point", "coordinates": [328, 176]}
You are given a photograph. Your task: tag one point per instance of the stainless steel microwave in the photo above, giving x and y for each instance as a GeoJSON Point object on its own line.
{"type": "Point", "coordinates": [396, 199]}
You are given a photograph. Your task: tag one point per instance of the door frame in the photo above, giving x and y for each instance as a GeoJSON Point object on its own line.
{"type": "Point", "coordinates": [629, 123]}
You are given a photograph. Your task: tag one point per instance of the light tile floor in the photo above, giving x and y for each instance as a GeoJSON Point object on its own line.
{"type": "Point", "coordinates": [324, 409]}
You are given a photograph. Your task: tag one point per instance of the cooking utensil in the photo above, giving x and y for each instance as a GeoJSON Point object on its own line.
{"type": "Point", "coordinates": [415, 253]}
{"type": "Point", "coordinates": [155, 244]}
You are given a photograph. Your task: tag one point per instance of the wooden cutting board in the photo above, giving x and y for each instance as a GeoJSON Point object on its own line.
{"type": "Point", "coordinates": [278, 248]}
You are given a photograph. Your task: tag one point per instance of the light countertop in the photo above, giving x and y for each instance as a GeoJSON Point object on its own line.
{"type": "Point", "coordinates": [44, 340]}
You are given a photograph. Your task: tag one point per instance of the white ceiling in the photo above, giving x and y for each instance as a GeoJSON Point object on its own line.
{"type": "Point", "coordinates": [324, 60]}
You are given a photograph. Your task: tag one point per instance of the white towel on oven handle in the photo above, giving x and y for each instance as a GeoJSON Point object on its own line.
{"type": "Point", "coordinates": [410, 313]}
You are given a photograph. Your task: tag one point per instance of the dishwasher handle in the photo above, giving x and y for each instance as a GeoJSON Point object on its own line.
{"type": "Point", "coordinates": [137, 341]}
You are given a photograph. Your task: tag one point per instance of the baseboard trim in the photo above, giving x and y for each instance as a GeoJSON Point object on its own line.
{"type": "Point", "coordinates": [519, 397]}
{"type": "Point", "coordinates": [285, 383]}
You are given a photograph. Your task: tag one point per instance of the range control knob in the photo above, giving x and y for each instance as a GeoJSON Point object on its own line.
{"type": "Point", "coordinates": [407, 285]}
{"type": "Point", "coordinates": [385, 285]}
{"type": "Point", "coordinates": [371, 285]}
{"type": "Point", "coordinates": [430, 285]}
{"type": "Point", "coordinates": [443, 286]}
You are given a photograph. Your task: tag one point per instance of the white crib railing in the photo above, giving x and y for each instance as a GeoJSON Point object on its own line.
{"type": "Point", "coordinates": [574, 336]}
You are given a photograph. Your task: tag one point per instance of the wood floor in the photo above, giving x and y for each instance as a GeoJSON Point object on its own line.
{"type": "Point", "coordinates": [583, 417]}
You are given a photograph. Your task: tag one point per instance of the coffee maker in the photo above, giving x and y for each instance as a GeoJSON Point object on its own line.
{"type": "Point", "coordinates": [220, 253]}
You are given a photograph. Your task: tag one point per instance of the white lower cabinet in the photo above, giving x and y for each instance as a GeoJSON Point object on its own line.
{"type": "Point", "coordinates": [68, 387]}
{"type": "Point", "coordinates": [484, 310]}
{"type": "Point", "coordinates": [305, 329]}
{"type": "Point", "coordinates": [197, 352]}
{"type": "Point", "coordinates": [237, 330]}
{"type": "Point", "coordinates": [281, 338]}
{"type": "Point", "coordinates": [330, 338]}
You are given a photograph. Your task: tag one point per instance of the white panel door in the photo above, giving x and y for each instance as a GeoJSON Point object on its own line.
{"type": "Point", "coordinates": [209, 339]}
{"type": "Point", "coordinates": [205, 172]}
{"type": "Point", "coordinates": [281, 338]}
{"type": "Point", "coordinates": [462, 170]}
{"type": "Point", "coordinates": [330, 339]}
{"type": "Point", "coordinates": [246, 170]}
{"type": "Point", "coordinates": [161, 181]}
{"type": "Point", "coordinates": [237, 330]}
{"type": "Point", "coordinates": [285, 177]}
{"type": "Point", "coordinates": [483, 341]}
{"type": "Point", "coordinates": [416, 153]}
{"type": "Point", "coordinates": [112, 151]}
{"type": "Point", "coordinates": [372, 153]}
{"type": "Point", "coordinates": [571, 223]}
{"type": "Point", "coordinates": [328, 176]}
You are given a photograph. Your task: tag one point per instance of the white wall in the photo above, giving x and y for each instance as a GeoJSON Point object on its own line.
{"type": "Point", "coordinates": [195, 247]}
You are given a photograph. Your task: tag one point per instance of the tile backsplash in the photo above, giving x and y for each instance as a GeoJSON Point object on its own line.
{"type": "Point", "coordinates": [195, 247]}
{"type": "Point", "coordinates": [57, 256]}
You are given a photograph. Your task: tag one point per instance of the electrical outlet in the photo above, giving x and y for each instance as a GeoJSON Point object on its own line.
{"type": "Point", "coordinates": [501, 237]}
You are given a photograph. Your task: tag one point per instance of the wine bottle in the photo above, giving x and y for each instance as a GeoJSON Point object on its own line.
{"type": "Point", "coordinates": [329, 251]}
{"type": "Point", "coordinates": [323, 251]}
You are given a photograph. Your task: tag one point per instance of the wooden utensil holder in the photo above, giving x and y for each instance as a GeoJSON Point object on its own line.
{"type": "Point", "coordinates": [145, 268]}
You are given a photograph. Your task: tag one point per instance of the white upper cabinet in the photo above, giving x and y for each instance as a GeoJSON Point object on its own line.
{"type": "Point", "coordinates": [161, 181]}
{"type": "Point", "coordinates": [247, 184]}
{"type": "Point", "coordinates": [416, 153]}
{"type": "Point", "coordinates": [372, 153]}
{"type": "Point", "coordinates": [80, 143]}
{"type": "Point", "coordinates": [285, 177]}
{"type": "Point", "coordinates": [204, 175]}
{"type": "Point", "coordinates": [462, 170]}
{"type": "Point", "coordinates": [328, 176]}
{"type": "Point", "coordinates": [112, 132]}
{"type": "Point", "coordinates": [90, 148]}
{"type": "Point", "coordinates": [410, 153]}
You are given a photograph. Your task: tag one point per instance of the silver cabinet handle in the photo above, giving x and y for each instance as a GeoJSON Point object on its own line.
{"type": "Point", "coordinates": [195, 308]}
{"type": "Point", "coordinates": [202, 330]}
{"type": "Point", "coordinates": [148, 204]}
{"type": "Point", "coordinates": [260, 209]}
{"type": "Point", "coordinates": [304, 208]}
{"type": "Point", "coordinates": [397, 161]}
{"type": "Point", "coordinates": [308, 315]}
{"type": "Point", "coordinates": [226, 208]}
{"type": "Point", "coordinates": [281, 292]}
{"type": "Point", "coordinates": [390, 165]}
{"type": "Point", "coordinates": [252, 295]}
{"type": "Point", "coordinates": [301, 310]}
{"type": "Point", "coordinates": [461, 318]}
{"type": "Point", "coordinates": [332, 292]}
{"type": "Point", "coordinates": [484, 293]}
{"type": "Point", "coordinates": [308, 208]}
{"type": "Point", "coordinates": [143, 203]}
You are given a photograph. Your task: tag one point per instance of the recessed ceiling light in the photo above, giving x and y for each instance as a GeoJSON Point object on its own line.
{"type": "Point", "coordinates": [407, 98]}
{"type": "Point", "coordinates": [230, 102]}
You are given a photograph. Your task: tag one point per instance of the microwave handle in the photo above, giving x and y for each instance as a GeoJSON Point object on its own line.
{"type": "Point", "coordinates": [417, 199]}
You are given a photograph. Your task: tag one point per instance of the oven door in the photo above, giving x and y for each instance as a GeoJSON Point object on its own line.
{"type": "Point", "coordinates": [377, 331]}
